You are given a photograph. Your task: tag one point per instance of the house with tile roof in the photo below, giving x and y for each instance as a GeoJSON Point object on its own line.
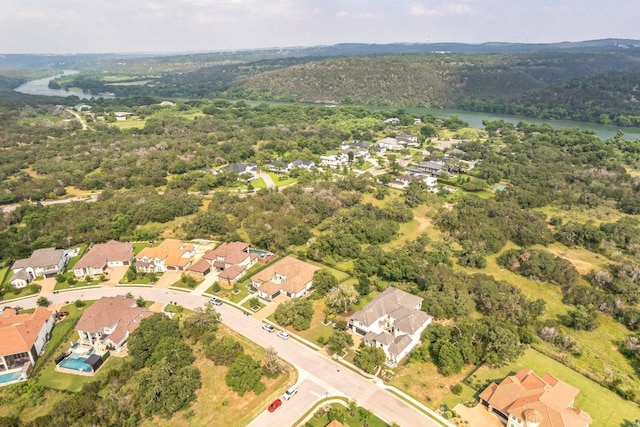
{"type": "Point", "coordinates": [23, 338]}
{"type": "Point", "coordinates": [231, 260]}
{"type": "Point", "coordinates": [289, 276]}
{"type": "Point", "coordinates": [108, 322]}
{"type": "Point", "coordinates": [45, 262]}
{"type": "Point", "coordinates": [393, 321]}
{"type": "Point", "coordinates": [103, 255]}
{"type": "Point", "coordinates": [528, 400]}
{"type": "Point", "coordinates": [171, 254]}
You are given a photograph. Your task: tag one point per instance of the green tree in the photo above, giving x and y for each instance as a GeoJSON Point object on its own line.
{"type": "Point", "coordinates": [324, 281]}
{"type": "Point", "coordinates": [244, 374]}
{"type": "Point", "coordinates": [202, 324]}
{"type": "Point", "coordinates": [297, 312]}
{"type": "Point", "coordinates": [224, 351]}
{"type": "Point", "coordinates": [43, 302]}
{"type": "Point", "coordinates": [369, 358]}
{"type": "Point", "coordinates": [449, 359]}
{"type": "Point", "coordinates": [338, 341]}
{"type": "Point", "coordinates": [341, 299]}
{"type": "Point", "coordinates": [173, 351]}
{"type": "Point", "coordinates": [147, 336]}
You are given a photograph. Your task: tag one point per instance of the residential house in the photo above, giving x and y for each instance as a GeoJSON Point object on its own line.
{"type": "Point", "coordinates": [231, 260]}
{"type": "Point", "coordinates": [250, 168]}
{"type": "Point", "coordinates": [288, 276]}
{"type": "Point", "coordinates": [122, 115]}
{"type": "Point", "coordinates": [23, 338]}
{"type": "Point", "coordinates": [400, 182]}
{"type": "Point", "coordinates": [200, 268]}
{"type": "Point", "coordinates": [171, 254]}
{"type": "Point", "coordinates": [528, 400]}
{"type": "Point", "coordinates": [103, 255]}
{"type": "Point", "coordinates": [430, 168]}
{"type": "Point", "coordinates": [108, 322]}
{"type": "Point", "coordinates": [392, 321]}
{"type": "Point", "coordinates": [408, 140]}
{"type": "Point", "coordinates": [167, 104]}
{"type": "Point", "coordinates": [334, 160]}
{"type": "Point", "coordinates": [391, 121]}
{"type": "Point", "coordinates": [390, 144]}
{"type": "Point", "coordinates": [45, 262]}
{"type": "Point", "coordinates": [281, 166]}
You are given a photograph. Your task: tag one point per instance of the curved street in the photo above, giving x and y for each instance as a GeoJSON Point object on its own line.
{"type": "Point", "coordinates": [319, 376]}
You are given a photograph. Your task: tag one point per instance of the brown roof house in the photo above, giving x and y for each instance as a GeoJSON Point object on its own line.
{"type": "Point", "coordinates": [392, 321]}
{"type": "Point", "coordinates": [231, 260]}
{"type": "Point", "coordinates": [289, 276]}
{"type": "Point", "coordinates": [22, 340]}
{"type": "Point", "coordinates": [527, 400]}
{"type": "Point", "coordinates": [45, 262]}
{"type": "Point", "coordinates": [106, 325]}
{"type": "Point", "coordinates": [101, 256]}
{"type": "Point", "coordinates": [171, 254]}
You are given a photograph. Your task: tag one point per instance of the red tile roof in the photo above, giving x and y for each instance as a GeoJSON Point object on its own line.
{"type": "Point", "coordinates": [527, 396]}
{"type": "Point", "coordinates": [18, 332]}
{"type": "Point", "coordinates": [296, 273]}
{"type": "Point", "coordinates": [108, 312]}
{"type": "Point", "coordinates": [232, 253]}
{"type": "Point", "coordinates": [99, 255]}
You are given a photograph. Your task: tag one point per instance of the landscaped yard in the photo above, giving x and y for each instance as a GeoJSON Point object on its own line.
{"type": "Point", "coordinates": [139, 246]}
{"type": "Point", "coordinates": [79, 284]}
{"type": "Point", "coordinates": [281, 180]}
{"type": "Point", "coordinates": [216, 404]}
{"type": "Point", "coordinates": [605, 407]}
{"type": "Point", "coordinates": [317, 329]}
{"type": "Point", "coordinates": [72, 261]}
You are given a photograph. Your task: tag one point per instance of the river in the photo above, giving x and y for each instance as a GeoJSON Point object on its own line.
{"type": "Point", "coordinates": [40, 87]}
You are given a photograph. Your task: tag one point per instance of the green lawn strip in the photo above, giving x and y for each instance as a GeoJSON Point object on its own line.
{"type": "Point", "coordinates": [468, 394]}
{"type": "Point", "coordinates": [139, 246]}
{"type": "Point", "coordinates": [410, 402]}
{"type": "Point", "coordinates": [321, 418]}
{"type": "Point", "coordinates": [4, 274]}
{"type": "Point", "coordinates": [258, 184]}
{"type": "Point", "coordinates": [144, 280]}
{"type": "Point", "coordinates": [338, 274]}
{"type": "Point", "coordinates": [61, 334]}
{"type": "Point", "coordinates": [50, 378]}
{"type": "Point", "coordinates": [20, 293]}
{"type": "Point", "coordinates": [181, 284]}
{"type": "Point", "coordinates": [250, 304]}
{"type": "Point", "coordinates": [72, 262]}
{"type": "Point", "coordinates": [80, 284]}
{"type": "Point", "coordinates": [282, 180]}
{"type": "Point", "coordinates": [605, 407]}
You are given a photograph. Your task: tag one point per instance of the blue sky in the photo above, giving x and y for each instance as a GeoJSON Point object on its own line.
{"type": "Point", "coordinates": [80, 26]}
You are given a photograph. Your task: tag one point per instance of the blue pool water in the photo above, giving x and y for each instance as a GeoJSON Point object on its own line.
{"type": "Point", "coordinates": [76, 364]}
{"type": "Point", "coordinates": [259, 252]}
{"type": "Point", "coordinates": [9, 377]}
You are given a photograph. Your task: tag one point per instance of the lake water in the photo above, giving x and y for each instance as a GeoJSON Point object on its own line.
{"type": "Point", "coordinates": [40, 87]}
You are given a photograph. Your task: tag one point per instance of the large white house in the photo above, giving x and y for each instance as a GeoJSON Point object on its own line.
{"type": "Point", "coordinates": [392, 321]}
{"type": "Point", "coordinates": [45, 262]}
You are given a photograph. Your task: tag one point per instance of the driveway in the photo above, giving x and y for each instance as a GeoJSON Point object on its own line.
{"type": "Point", "coordinates": [168, 278]}
{"type": "Point", "coordinates": [267, 180]}
{"type": "Point", "coordinates": [477, 416]}
{"type": "Point", "coordinates": [115, 275]}
{"type": "Point", "coordinates": [312, 365]}
{"type": "Point", "coordinates": [270, 308]}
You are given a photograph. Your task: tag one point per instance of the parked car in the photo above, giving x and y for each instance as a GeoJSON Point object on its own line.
{"type": "Point", "coordinates": [215, 301]}
{"type": "Point", "coordinates": [268, 327]}
{"type": "Point", "coordinates": [275, 405]}
{"type": "Point", "coordinates": [284, 335]}
{"type": "Point", "coordinates": [291, 391]}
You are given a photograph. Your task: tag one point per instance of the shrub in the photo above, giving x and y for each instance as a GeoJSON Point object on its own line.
{"type": "Point", "coordinates": [457, 389]}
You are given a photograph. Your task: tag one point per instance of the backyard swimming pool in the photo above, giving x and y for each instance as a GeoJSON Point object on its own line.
{"type": "Point", "coordinates": [76, 363]}
{"type": "Point", "coordinates": [9, 377]}
{"type": "Point", "coordinates": [258, 252]}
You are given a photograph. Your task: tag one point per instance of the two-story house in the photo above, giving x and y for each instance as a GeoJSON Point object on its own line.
{"type": "Point", "coordinates": [45, 262]}
{"type": "Point", "coordinates": [392, 321]}
{"type": "Point", "coordinates": [22, 339]}
{"type": "Point", "coordinates": [108, 322]}
{"type": "Point", "coordinates": [171, 254]}
{"type": "Point", "coordinates": [231, 260]}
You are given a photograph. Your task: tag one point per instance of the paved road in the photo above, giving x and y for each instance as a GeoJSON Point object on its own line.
{"type": "Point", "coordinates": [267, 180]}
{"type": "Point", "coordinates": [79, 119]}
{"type": "Point", "coordinates": [12, 207]}
{"type": "Point", "coordinates": [317, 371]}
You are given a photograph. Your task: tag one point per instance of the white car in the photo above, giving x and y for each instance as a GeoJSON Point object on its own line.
{"type": "Point", "coordinates": [290, 392]}
{"type": "Point", "coordinates": [268, 327]}
{"type": "Point", "coordinates": [284, 335]}
{"type": "Point", "coordinates": [215, 301]}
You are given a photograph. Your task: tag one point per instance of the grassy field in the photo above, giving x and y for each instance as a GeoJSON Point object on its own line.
{"type": "Point", "coordinates": [258, 184]}
{"type": "Point", "coordinates": [605, 212]}
{"type": "Point", "coordinates": [281, 180]}
{"type": "Point", "coordinates": [133, 123]}
{"type": "Point", "coordinates": [139, 246]}
{"type": "Point", "coordinates": [216, 404]}
{"type": "Point", "coordinates": [582, 259]}
{"type": "Point", "coordinates": [605, 407]}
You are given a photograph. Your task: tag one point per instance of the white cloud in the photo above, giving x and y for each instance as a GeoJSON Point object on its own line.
{"type": "Point", "coordinates": [342, 14]}
{"type": "Point", "coordinates": [440, 9]}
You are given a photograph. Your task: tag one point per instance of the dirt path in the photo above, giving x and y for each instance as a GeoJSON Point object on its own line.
{"type": "Point", "coordinates": [423, 224]}
{"type": "Point", "coordinates": [78, 118]}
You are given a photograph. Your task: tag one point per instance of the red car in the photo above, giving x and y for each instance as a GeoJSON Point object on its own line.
{"type": "Point", "coordinates": [275, 405]}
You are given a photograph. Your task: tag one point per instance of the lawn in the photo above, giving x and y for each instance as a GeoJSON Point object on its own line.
{"type": "Point", "coordinates": [258, 184]}
{"type": "Point", "coordinates": [338, 274]}
{"type": "Point", "coordinates": [281, 180]}
{"type": "Point", "coordinates": [132, 123]}
{"type": "Point", "coordinates": [317, 329]}
{"type": "Point", "coordinates": [216, 404]}
{"type": "Point", "coordinates": [605, 407]}
{"type": "Point", "coordinates": [189, 283]}
{"type": "Point", "coordinates": [3, 272]}
{"type": "Point", "coordinates": [139, 246]}
{"type": "Point", "coordinates": [79, 284]}
{"type": "Point", "coordinates": [76, 258]}
{"type": "Point", "coordinates": [321, 417]}
{"type": "Point", "coordinates": [19, 293]}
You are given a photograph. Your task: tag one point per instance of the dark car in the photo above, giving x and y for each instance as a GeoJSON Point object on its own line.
{"type": "Point", "coordinates": [275, 405]}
